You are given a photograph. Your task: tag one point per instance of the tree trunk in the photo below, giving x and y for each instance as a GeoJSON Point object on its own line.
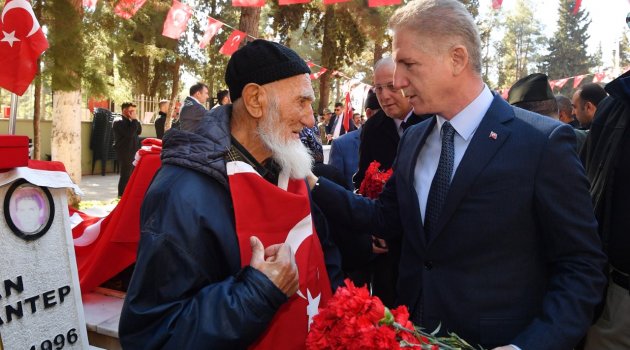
{"type": "Point", "coordinates": [37, 111]}
{"type": "Point", "coordinates": [174, 91]}
{"type": "Point", "coordinates": [324, 91]}
{"type": "Point", "coordinates": [66, 134]}
{"type": "Point", "coordinates": [250, 19]}
{"type": "Point", "coordinates": [328, 52]}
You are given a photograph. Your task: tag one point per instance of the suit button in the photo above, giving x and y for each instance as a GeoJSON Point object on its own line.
{"type": "Point", "coordinates": [428, 265]}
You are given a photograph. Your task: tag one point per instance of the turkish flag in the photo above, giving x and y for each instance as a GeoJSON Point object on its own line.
{"type": "Point", "coordinates": [127, 8]}
{"type": "Point", "coordinates": [561, 82]}
{"type": "Point", "coordinates": [310, 64]}
{"type": "Point", "coordinates": [577, 80]}
{"type": "Point", "coordinates": [106, 246]}
{"type": "Point", "coordinates": [289, 2]}
{"type": "Point", "coordinates": [211, 30]}
{"type": "Point", "coordinates": [232, 42]}
{"type": "Point", "coordinates": [496, 4]}
{"type": "Point", "coordinates": [599, 77]}
{"type": "Point", "coordinates": [176, 20]}
{"type": "Point", "coordinates": [255, 200]}
{"type": "Point", "coordinates": [22, 41]}
{"type": "Point", "coordinates": [377, 3]}
{"type": "Point", "coordinates": [347, 113]}
{"type": "Point", "coordinates": [89, 4]}
{"type": "Point", "coordinates": [248, 3]}
{"type": "Point", "coordinates": [576, 6]}
{"type": "Point", "coordinates": [315, 76]}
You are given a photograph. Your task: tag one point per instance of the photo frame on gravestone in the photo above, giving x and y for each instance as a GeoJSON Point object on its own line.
{"type": "Point", "coordinates": [28, 210]}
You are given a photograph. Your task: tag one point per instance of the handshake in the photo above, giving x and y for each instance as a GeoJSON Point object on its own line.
{"type": "Point", "coordinates": [277, 262]}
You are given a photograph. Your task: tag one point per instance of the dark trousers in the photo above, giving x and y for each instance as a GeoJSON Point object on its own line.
{"type": "Point", "coordinates": [126, 167]}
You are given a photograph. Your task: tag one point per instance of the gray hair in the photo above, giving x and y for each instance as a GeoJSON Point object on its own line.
{"type": "Point", "coordinates": [564, 104]}
{"type": "Point", "coordinates": [441, 18]}
{"type": "Point", "coordinates": [387, 60]}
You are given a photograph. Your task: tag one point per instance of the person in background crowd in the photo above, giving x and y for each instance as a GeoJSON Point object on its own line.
{"type": "Point", "coordinates": [159, 122]}
{"type": "Point", "coordinates": [126, 142]}
{"type": "Point", "coordinates": [223, 98]}
{"type": "Point", "coordinates": [193, 109]}
{"type": "Point", "coordinates": [499, 239]}
{"type": "Point", "coordinates": [323, 125]}
{"type": "Point", "coordinates": [335, 127]}
{"type": "Point", "coordinates": [565, 111]}
{"type": "Point", "coordinates": [356, 118]}
{"type": "Point", "coordinates": [606, 156]}
{"type": "Point", "coordinates": [585, 101]}
{"type": "Point", "coordinates": [203, 278]}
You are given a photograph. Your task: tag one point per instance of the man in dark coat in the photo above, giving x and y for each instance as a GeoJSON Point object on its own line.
{"type": "Point", "coordinates": [193, 286]}
{"type": "Point", "coordinates": [126, 142]}
{"type": "Point", "coordinates": [159, 122]}
{"type": "Point", "coordinates": [496, 245]}
{"type": "Point", "coordinates": [193, 109]}
{"type": "Point", "coordinates": [606, 156]}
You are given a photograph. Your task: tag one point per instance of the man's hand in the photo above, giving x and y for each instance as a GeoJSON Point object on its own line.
{"type": "Point", "coordinates": [279, 266]}
{"type": "Point", "coordinates": [311, 179]}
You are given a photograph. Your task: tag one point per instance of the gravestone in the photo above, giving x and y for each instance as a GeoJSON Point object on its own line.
{"type": "Point", "coordinates": [40, 298]}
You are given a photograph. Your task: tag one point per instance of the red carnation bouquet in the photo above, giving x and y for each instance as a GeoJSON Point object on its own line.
{"type": "Point", "coordinates": [353, 319]}
{"type": "Point", "coordinates": [374, 180]}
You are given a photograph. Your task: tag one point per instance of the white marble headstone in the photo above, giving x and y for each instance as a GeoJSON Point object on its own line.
{"type": "Point", "coordinates": [40, 299]}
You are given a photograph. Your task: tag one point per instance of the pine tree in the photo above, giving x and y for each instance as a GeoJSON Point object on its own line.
{"type": "Point", "coordinates": [567, 49]}
{"type": "Point", "coordinates": [624, 51]}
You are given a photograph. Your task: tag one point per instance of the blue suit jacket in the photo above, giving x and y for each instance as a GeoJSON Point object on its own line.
{"type": "Point", "coordinates": [344, 155]}
{"type": "Point", "coordinates": [516, 258]}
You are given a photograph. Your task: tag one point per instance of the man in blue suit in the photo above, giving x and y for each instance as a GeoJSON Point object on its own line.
{"type": "Point", "coordinates": [495, 245]}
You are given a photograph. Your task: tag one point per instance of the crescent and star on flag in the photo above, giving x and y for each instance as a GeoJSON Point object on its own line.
{"type": "Point", "coordinates": [9, 37]}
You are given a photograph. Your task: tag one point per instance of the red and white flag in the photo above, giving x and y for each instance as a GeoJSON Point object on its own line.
{"type": "Point", "coordinates": [176, 20]}
{"type": "Point", "coordinates": [232, 42]}
{"type": "Point", "coordinates": [255, 200]}
{"type": "Point", "coordinates": [496, 4]}
{"type": "Point", "coordinates": [248, 3]}
{"type": "Point", "coordinates": [599, 77]}
{"type": "Point", "coordinates": [330, 2]}
{"type": "Point", "coordinates": [290, 2]}
{"type": "Point", "coordinates": [89, 4]}
{"type": "Point", "coordinates": [561, 82]}
{"type": "Point", "coordinates": [128, 8]}
{"type": "Point", "coordinates": [315, 76]}
{"type": "Point", "coordinates": [576, 6]}
{"type": "Point", "coordinates": [212, 28]}
{"type": "Point", "coordinates": [347, 113]}
{"type": "Point", "coordinates": [310, 64]}
{"type": "Point", "coordinates": [377, 3]}
{"type": "Point", "coordinates": [22, 41]}
{"type": "Point", "coordinates": [577, 80]}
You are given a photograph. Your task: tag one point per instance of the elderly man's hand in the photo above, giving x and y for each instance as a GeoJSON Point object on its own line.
{"type": "Point", "coordinates": [279, 265]}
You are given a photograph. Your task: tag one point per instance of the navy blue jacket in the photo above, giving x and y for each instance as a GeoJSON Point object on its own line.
{"type": "Point", "coordinates": [516, 258]}
{"type": "Point", "coordinates": [344, 155]}
{"type": "Point", "coordinates": [188, 290]}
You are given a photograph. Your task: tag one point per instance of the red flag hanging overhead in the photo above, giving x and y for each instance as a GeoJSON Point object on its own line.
{"type": "Point", "coordinates": [377, 3]}
{"type": "Point", "coordinates": [176, 20]}
{"type": "Point", "coordinates": [599, 77]}
{"type": "Point", "coordinates": [22, 41]}
{"type": "Point", "coordinates": [330, 2]}
{"type": "Point", "coordinates": [561, 82]}
{"type": "Point", "coordinates": [289, 2]}
{"type": "Point", "coordinates": [576, 6]}
{"type": "Point", "coordinates": [310, 64]}
{"type": "Point", "coordinates": [232, 43]}
{"type": "Point", "coordinates": [127, 8]}
{"type": "Point", "coordinates": [89, 4]}
{"type": "Point", "coordinates": [577, 80]}
{"type": "Point", "coordinates": [496, 4]}
{"type": "Point", "coordinates": [315, 76]}
{"type": "Point", "coordinates": [347, 113]}
{"type": "Point", "coordinates": [211, 30]}
{"type": "Point", "coordinates": [248, 3]}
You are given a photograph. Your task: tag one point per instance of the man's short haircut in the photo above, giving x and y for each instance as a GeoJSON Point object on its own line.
{"type": "Point", "coordinates": [592, 93]}
{"type": "Point", "coordinates": [441, 19]}
{"type": "Point", "coordinates": [196, 88]}
{"type": "Point", "coordinates": [126, 105]}
{"type": "Point", "coordinates": [221, 95]}
{"type": "Point", "coordinates": [338, 104]}
{"type": "Point", "coordinates": [544, 107]}
{"type": "Point", "coordinates": [387, 60]}
{"type": "Point", "coordinates": [564, 104]}
{"type": "Point", "coordinates": [162, 103]}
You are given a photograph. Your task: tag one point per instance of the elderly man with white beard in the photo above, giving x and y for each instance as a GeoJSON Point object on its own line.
{"type": "Point", "coordinates": [226, 190]}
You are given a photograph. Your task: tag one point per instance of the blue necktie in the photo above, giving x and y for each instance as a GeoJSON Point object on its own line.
{"type": "Point", "coordinates": [441, 181]}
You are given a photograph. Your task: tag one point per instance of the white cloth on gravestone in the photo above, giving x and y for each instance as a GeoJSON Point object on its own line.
{"type": "Point", "coordinates": [465, 124]}
{"type": "Point", "coordinates": [338, 124]}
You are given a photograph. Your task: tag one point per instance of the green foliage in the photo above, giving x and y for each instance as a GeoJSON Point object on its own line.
{"type": "Point", "coordinates": [624, 51]}
{"type": "Point", "coordinates": [567, 48]}
{"type": "Point", "coordinates": [65, 57]}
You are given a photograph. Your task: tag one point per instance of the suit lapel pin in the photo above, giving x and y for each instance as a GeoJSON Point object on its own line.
{"type": "Point", "coordinates": [493, 135]}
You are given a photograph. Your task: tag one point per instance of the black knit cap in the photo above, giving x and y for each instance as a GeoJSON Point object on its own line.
{"type": "Point", "coordinates": [534, 87]}
{"type": "Point", "coordinates": [371, 101]}
{"type": "Point", "coordinates": [261, 62]}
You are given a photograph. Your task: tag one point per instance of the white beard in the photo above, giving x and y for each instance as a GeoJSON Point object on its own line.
{"type": "Point", "coordinates": [291, 155]}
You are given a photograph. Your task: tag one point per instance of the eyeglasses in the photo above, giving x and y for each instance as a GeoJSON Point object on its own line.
{"type": "Point", "coordinates": [378, 88]}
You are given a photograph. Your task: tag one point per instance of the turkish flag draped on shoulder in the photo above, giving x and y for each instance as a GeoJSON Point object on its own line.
{"type": "Point", "coordinates": [127, 8]}
{"type": "Point", "coordinates": [106, 246]}
{"type": "Point", "coordinates": [211, 30]}
{"type": "Point", "coordinates": [22, 41]}
{"type": "Point", "coordinates": [232, 43]}
{"type": "Point", "coordinates": [347, 113]}
{"type": "Point", "coordinates": [176, 20]}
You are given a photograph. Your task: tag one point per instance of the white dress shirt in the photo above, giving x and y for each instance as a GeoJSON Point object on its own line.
{"type": "Point", "coordinates": [465, 124]}
{"type": "Point", "coordinates": [338, 123]}
{"type": "Point", "coordinates": [400, 121]}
